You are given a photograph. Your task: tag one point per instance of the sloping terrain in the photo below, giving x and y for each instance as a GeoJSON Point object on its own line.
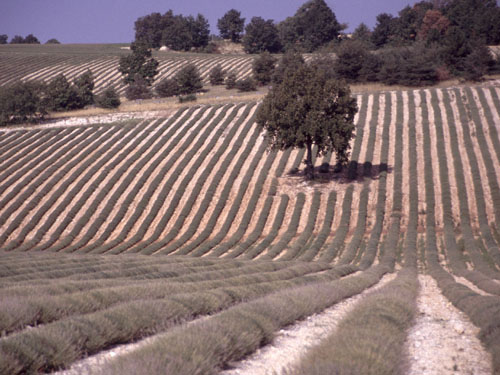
{"type": "Point", "coordinates": [208, 224]}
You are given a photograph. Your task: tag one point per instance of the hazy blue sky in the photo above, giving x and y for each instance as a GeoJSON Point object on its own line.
{"type": "Point", "coordinates": [112, 21]}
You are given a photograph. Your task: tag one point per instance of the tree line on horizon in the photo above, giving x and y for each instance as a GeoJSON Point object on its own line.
{"type": "Point", "coordinates": [29, 39]}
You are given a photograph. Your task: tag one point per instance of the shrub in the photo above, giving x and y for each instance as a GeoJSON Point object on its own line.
{"type": "Point", "coordinates": [52, 41]}
{"type": "Point", "coordinates": [231, 81]}
{"type": "Point", "coordinates": [187, 98]}
{"type": "Point", "coordinates": [247, 84]}
{"type": "Point", "coordinates": [217, 75]}
{"type": "Point", "coordinates": [84, 85]}
{"type": "Point", "coordinates": [189, 80]}
{"type": "Point", "coordinates": [3, 38]}
{"type": "Point", "coordinates": [138, 89]}
{"type": "Point", "coordinates": [167, 87]}
{"type": "Point", "coordinates": [263, 68]}
{"type": "Point", "coordinates": [108, 99]}
{"type": "Point", "coordinates": [22, 102]}
{"type": "Point", "coordinates": [350, 59]}
{"type": "Point", "coordinates": [61, 95]}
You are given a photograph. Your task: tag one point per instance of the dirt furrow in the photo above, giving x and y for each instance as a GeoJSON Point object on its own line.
{"type": "Point", "coordinates": [443, 340]}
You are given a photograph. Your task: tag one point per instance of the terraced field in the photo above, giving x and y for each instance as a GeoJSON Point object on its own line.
{"type": "Point", "coordinates": [35, 62]}
{"type": "Point", "coordinates": [186, 229]}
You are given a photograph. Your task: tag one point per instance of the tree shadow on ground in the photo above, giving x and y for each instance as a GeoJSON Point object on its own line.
{"type": "Point", "coordinates": [352, 172]}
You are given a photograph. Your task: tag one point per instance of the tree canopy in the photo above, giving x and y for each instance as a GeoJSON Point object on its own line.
{"type": "Point", "coordinates": [313, 25]}
{"type": "Point", "coordinates": [260, 36]}
{"type": "Point", "coordinates": [231, 25]}
{"type": "Point", "coordinates": [307, 109]}
{"type": "Point", "coordinates": [139, 62]}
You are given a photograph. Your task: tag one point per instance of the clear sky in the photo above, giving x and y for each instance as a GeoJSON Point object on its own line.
{"type": "Point", "coordinates": [112, 21]}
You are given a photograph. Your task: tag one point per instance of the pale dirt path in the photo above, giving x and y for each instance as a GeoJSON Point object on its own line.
{"type": "Point", "coordinates": [293, 341]}
{"type": "Point", "coordinates": [443, 340]}
{"type": "Point", "coordinates": [406, 164]}
{"type": "Point", "coordinates": [422, 205]}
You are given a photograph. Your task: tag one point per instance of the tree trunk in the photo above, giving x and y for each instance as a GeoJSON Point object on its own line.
{"type": "Point", "coordinates": [309, 163]}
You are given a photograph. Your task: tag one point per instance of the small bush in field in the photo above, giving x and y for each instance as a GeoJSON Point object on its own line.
{"type": "Point", "coordinates": [138, 89]}
{"type": "Point", "coordinates": [189, 80]}
{"type": "Point", "coordinates": [217, 75]}
{"type": "Point", "coordinates": [231, 81]}
{"type": "Point", "coordinates": [167, 87]}
{"type": "Point", "coordinates": [108, 99]}
{"type": "Point", "coordinates": [187, 98]}
{"type": "Point", "coordinates": [247, 84]}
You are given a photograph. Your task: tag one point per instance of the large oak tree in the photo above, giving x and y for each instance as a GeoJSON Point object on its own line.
{"type": "Point", "coordinates": [309, 108]}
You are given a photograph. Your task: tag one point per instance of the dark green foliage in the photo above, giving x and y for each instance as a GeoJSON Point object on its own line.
{"type": "Point", "coordinates": [477, 63]}
{"type": "Point", "coordinates": [3, 38]}
{"type": "Point", "coordinates": [108, 99]}
{"type": "Point", "coordinates": [138, 89]}
{"type": "Point", "coordinates": [351, 58]}
{"type": "Point", "coordinates": [263, 68]}
{"type": "Point", "coordinates": [415, 66]}
{"type": "Point", "coordinates": [231, 25]}
{"type": "Point", "coordinates": [307, 109]}
{"type": "Point", "coordinates": [362, 33]}
{"type": "Point", "coordinates": [139, 62]}
{"type": "Point", "coordinates": [231, 80]}
{"type": "Point", "coordinates": [384, 30]}
{"type": "Point", "coordinates": [261, 36]}
{"type": "Point", "coordinates": [246, 84]}
{"type": "Point", "coordinates": [61, 95]}
{"type": "Point", "coordinates": [17, 39]}
{"type": "Point", "coordinates": [189, 80]}
{"type": "Point", "coordinates": [22, 102]}
{"type": "Point", "coordinates": [174, 31]}
{"type": "Point", "coordinates": [31, 39]}
{"type": "Point", "coordinates": [290, 60]}
{"type": "Point", "coordinates": [217, 75]}
{"type": "Point", "coordinates": [187, 98]}
{"type": "Point", "coordinates": [167, 87]}
{"type": "Point", "coordinates": [313, 25]}
{"type": "Point", "coordinates": [52, 41]}
{"type": "Point", "coordinates": [478, 19]}
{"type": "Point", "coordinates": [84, 85]}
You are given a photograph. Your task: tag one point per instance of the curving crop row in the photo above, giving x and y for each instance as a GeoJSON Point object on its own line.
{"type": "Point", "coordinates": [112, 182]}
{"type": "Point", "coordinates": [138, 184]}
{"type": "Point", "coordinates": [98, 173]}
{"type": "Point", "coordinates": [178, 245]}
{"type": "Point", "coordinates": [94, 332]}
{"type": "Point", "coordinates": [297, 247]}
{"type": "Point", "coordinates": [91, 144]}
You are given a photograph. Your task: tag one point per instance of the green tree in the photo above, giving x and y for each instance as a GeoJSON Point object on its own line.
{"type": "Point", "coordinates": [31, 39]}
{"type": "Point", "coordinates": [52, 41]}
{"type": "Point", "coordinates": [61, 95]}
{"type": "Point", "coordinates": [291, 60]}
{"type": "Point", "coordinates": [167, 87]}
{"type": "Point", "coordinates": [246, 85]}
{"type": "Point", "coordinates": [309, 109]}
{"type": "Point", "coordinates": [139, 62]}
{"type": "Point", "coordinates": [261, 36]}
{"type": "Point", "coordinates": [3, 38]}
{"type": "Point", "coordinates": [230, 80]}
{"type": "Point", "coordinates": [149, 30]}
{"type": "Point", "coordinates": [189, 80]}
{"type": "Point", "coordinates": [313, 25]}
{"type": "Point", "coordinates": [22, 102]}
{"type": "Point", "coordinates": [263, 68]}
{"type": "Point", "coordinates": [231, 25]}
{"type": "Point", "coordinates": [384, 30]}
{"type": "Point", "coordinates": [17, 39]}
{"type": "Point", "coordinates": [362, 33]}
{"type": "Point", "coordinates": [108, 99]}
{"type": "Point", "coordinates": [217, 75]}
{"type": "Point", "coordinates": [84, 85]}
{"type": "Point", "coordinates": [138, 89]}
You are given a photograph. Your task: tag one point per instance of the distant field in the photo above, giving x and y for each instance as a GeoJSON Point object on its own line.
{"type": "Point", "coordinates": [44, 62]}
{"type": "Point", "coordinates": [111, 233]}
